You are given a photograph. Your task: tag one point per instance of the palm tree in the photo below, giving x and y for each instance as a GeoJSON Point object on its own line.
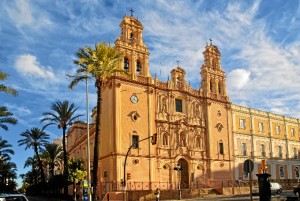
{"type": "Point", "coordinates": [33, 162]}
{"type": "Point", "coordinates": [53, 153]}
{"type": "Point", "coordinates": [101, 63]}
{"type": "Point", "coordinates": [5, 150]}
{"type": "Point", "coordinates": [6, 118]}
{"type": "Point", "coordinates": [63, 116]}
{"type": "Point", "coordinates": [4, 88]}
{"type": "Point", "coordinates": [35, 138]}
{"type": "Point", "coordinates": [8, 175]}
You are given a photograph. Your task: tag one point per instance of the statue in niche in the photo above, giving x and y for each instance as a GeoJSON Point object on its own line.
{"type": "Point", "coordinates": [164, 104]}
{"type": "Point", "coordinates": [165, 139]}
{"type": "Point", "coordinates": [196, 110]}
{"type": "Point", "coordinates": [182, 139]}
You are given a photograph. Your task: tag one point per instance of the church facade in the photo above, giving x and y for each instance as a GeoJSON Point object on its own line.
{"type": "Point", "coordinates": [200, 141]}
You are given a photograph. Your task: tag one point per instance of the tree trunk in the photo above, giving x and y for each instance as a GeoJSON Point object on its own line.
{"type": "Point", "coordinates": [40, 164]}
{"type": "Point", "coordinates": [97, 140]}
{"type": "Point", "coordinates": [65, 162]}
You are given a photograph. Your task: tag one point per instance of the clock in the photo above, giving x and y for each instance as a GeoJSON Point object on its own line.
{"type": "Point", "coordinates": [134, 99]}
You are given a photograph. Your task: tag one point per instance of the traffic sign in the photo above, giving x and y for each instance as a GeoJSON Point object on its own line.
{"type": "Point", "coordinates": [248, 166]}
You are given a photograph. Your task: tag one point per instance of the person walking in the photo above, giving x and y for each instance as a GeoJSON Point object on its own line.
{"type": "Point", "coordinates": [157, 194]}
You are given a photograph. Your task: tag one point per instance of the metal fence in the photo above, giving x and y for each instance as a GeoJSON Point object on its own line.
{"type": "Point", "coordinates": [116, 186]}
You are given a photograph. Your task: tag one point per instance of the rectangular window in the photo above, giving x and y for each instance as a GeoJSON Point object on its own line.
{"type": "Point", "coordinates": [221, 148]}
{"type": "Point", "coordinates": [297, 171]}
{"type": "Point", "coordinates": [295, 153]}
{"type": "Point", "coordinates": [292, 132]}
{"type": "Point", "coordinates": [242, 124]}
{"type": "Point", "coordinates": [244, 149]}
{"type": "Point", "coordinates": [178, 105]}
{"type": "Point", "coordinates": [260, 127]}
{"type": "Point", "coordinates": [279, 151]}
{"type": "Point", "coordinates": [105, 173]}
{"type": "Point", "coordinates": [263, 151]}
{"type": "Point", "coordinates": [277, 130]}
{"type": "Point", "coordinates": [135, 141]}
{"type": "Point", "coordinates": [281, 172]}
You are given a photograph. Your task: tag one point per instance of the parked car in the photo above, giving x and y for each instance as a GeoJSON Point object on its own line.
{"type": "Point", "coordinates": [275, 188]}
{"type": "Point", "coordinates": [13, 197]}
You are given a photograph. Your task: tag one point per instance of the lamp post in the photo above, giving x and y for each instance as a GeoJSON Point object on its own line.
{"type": "Point", "coordinates": [88, 142]}
{"type": "Point", "coordinates": [178, 168]}
{"type": "Point", "coordinates": [153, 142]}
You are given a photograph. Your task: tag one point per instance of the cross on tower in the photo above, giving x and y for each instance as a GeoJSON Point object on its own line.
{"type": "Point", "coordinates": [177, 63]}
{"type": "Point", "coordinates": [132, 11]}
{"type": "Point", "coordinates": [210, 41]}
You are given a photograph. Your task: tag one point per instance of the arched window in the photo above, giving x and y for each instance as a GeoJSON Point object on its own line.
{"type": "Point", "coordinates": [220, 88]}
{"type": "Point", "coordinates": [126, 64]}
{"type": "Point", "coordinates": [211, 86]}
{"type": "Point", "coordinates": [138, 66]}
{"type": "Point", "coordinates": [178, 81]}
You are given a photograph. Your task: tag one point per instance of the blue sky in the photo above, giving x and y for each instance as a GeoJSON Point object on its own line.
{"type": "Point", "coordinates": [259, 42]}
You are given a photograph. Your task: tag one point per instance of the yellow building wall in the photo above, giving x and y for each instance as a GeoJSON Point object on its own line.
{"type": "Point", "coordinates": [265, 123]}
{"type": "Point", "coordinates": [245, 130]}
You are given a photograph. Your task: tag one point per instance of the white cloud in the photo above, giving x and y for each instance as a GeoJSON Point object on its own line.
{"type": "Point", "coordinates": [18, 110]}
{"type": "Point", "coordinates": [25, 14]}
{"type": "Point", "coordinates": [28, 65]}
{"type": "Point", "coordinates": [238, 78]}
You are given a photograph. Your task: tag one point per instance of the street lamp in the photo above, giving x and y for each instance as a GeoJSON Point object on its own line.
{"type": "Point", "coordinates": [88, 141]}
{"type": "Point", "coordinates": [178, 168]}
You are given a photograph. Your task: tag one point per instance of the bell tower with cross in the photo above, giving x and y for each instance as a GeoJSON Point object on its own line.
{"type": "Point", "coordinates": [130, 41]}
{"type": "Point", "coordinates": [213, 76]}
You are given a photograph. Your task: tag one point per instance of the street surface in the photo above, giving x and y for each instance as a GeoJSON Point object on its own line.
{"type": "Point", "coordinates": [282, 196]}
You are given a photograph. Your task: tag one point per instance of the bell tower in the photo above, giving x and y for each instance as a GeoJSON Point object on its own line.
{"type": "Point", "coordinates": [136, 53]}
{"type": "Point", "coordinates": [213, 76]}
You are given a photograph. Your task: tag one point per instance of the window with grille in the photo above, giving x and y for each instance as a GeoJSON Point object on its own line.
{"type": "Point", "coordinates": [221, 148]}
{"type": "Point", "coordinates": [138, 66]}
{"type": "Point", "coordinates": [126, 64]}
{"type": "Point", "coordinates": [244, 149]}
{"type": "Point", "coordinates": [292, 132]}
{"type": "Point", "coordinates": [260, 127]}
{"type": "Point", "coordinates": [295, 153]}
{"type": "Point", "coordinates": [277, 129]}
{"type": "Point", "coordinates": [178, 103]}
{"type": "Point", "coordinates": [242, 124]}
{"type": "Point", "coordinates": [135, 141]}
{"type": "Point", "coordinates": [281, 171]}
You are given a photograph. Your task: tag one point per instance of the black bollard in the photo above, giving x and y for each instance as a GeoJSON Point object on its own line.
{"type": "Point", "coordinates": [264, 187]}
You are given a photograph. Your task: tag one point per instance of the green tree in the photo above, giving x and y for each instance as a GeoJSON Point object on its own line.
{"type": "Point", "coordinates": [8, 175]}
{"type": "Point", "coordinates": [5, 157]}
{"type": "Point", "coordinates": [6, 118]}
{"type": "Point", "coordinates": [77, 172]}
{"type": "Point", "coordinates": [63, 116]}
{"type": "Point", "coordinates": [101, 63]}
{"type": "Point", "coordinates": [5, 150]}
{"type": "Point", "coordinates": [53, 153]}
{"type": "Point", "coordinates": [35, 138]}
{"type": "Point", "coordinates": [5, 115]}
{"type": "Point", "coordinates": [33, 163]}
{"type": "Point", "coordinates": [5, 88]}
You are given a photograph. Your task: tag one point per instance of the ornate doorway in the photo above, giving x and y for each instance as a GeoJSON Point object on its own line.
{"type": "Point", "coordinates": [184, 173]}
